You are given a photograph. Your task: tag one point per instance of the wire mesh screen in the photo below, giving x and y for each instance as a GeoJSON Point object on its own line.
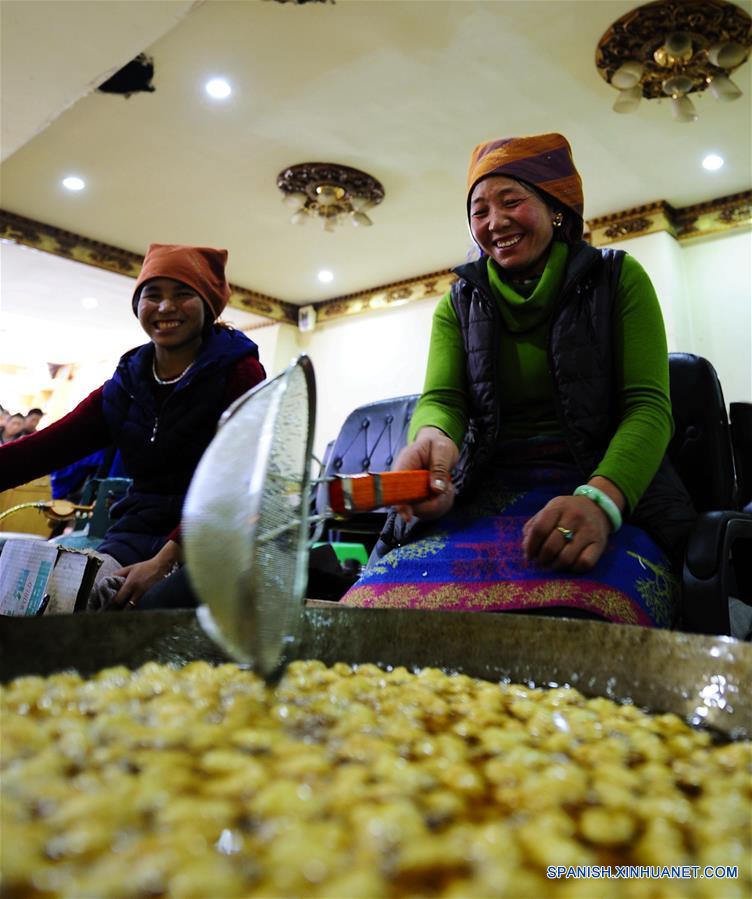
{"type": "Point", "coordinates": [279, 569]}
{"type": "Point", "coordinates": [245, 519]}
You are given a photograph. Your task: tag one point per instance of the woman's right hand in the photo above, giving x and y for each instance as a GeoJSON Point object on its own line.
{"type": "Point", "coordinates": [437, 453]}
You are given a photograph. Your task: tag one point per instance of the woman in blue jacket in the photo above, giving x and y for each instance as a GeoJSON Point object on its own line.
{"type": "Point", "coordinates": [160, 409]}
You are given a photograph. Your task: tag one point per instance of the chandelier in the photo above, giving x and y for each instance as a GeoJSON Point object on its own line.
{"type": "Point", "coordinates": [330, 193]}
{"type": "Point", "coordinates": [673, 48]}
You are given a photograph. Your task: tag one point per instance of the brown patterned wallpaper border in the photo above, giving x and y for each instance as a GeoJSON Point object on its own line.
{"type": "Point", "coordinates": [387, 296]}
{"type": "Point", "coordinates": [711, 217]}
{"type": "Point", "coordinates": [54, 240]}
{"type": "Point", "coordinates": [721, 214]}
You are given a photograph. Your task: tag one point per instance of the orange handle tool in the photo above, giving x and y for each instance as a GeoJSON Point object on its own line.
{"type": "Point", "coordinates": [362, 492]}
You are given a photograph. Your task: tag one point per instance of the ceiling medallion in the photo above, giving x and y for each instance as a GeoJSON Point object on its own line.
{"type": "Point", "coordinates": [329, 192]}
{"type": "Point", "coordinates": [672, 48]}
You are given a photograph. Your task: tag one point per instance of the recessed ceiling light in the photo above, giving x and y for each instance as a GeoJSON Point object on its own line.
{"type": "Point", "coordinates": [73, 182]}
{"type": "Point", "coordinates": [325, 276]}
{"type": "Point", "coordinates": [712, 162]}
{"type": "Point", "coordinates": [218, 88]}
{"type": "Point", "coordinates": [90, 302]}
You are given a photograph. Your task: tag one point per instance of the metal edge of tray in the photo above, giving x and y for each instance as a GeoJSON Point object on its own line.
{"type": "Point", "coordinates": [702, 679]}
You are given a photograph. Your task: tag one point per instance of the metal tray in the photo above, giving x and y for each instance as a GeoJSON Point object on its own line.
{"type": "Point", "coordinates": [703, 679]}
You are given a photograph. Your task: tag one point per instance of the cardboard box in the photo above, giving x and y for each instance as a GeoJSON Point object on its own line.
{"type": "Point", "coordinates": [41, 578]}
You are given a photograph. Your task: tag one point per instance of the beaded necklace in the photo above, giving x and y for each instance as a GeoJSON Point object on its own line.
{"type": "Point", "coordinates": [165, 382]}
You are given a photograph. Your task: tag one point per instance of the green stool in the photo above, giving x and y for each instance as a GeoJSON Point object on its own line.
{"type": "Point", "coordinates": [344, 551]}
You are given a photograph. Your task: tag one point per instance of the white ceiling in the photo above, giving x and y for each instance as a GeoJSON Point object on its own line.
{"type": "Point", "coordinates": [401, 89]}
{"type": "Point", "coordinates": [49, 58]}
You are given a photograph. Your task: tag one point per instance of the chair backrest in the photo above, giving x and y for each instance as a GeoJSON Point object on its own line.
{"type": "Point", "coordinates": [701, 446]}
{"type": "Point", "coordinates": [103, 492]}
{"type": "Point", "coordinates": [741, 439]}
{"type": "Point", "coordinates": [370, 438]}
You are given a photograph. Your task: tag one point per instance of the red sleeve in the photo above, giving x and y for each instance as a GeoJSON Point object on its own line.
{"type": "Point", "coordinates": [247, 373]}
{"type": "Point", "coordinates": [79, 433]}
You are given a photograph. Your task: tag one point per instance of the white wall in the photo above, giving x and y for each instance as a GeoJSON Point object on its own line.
{"type": "Point", "coordinates": [719, 282]}
{"type": "Point", "coordinates": [705, 290]}
{"type": "Point", "coordinates": [661, 257]}
{"type": "Point", "coordinates": [368, 357]}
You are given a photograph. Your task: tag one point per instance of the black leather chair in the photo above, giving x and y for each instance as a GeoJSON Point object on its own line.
{"type": "Point", "coordinates": [740, 415]}
{"type": "Point", "coordinates": [369, 440]}
{"type": "Point", "coordinates": [718, 560]}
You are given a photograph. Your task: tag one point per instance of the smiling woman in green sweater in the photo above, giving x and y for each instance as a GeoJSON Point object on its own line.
{"type": "Point", "coordinates": [546, 411]}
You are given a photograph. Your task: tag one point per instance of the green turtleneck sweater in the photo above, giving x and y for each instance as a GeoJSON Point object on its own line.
{"type": "Point", "coordinates": [526, 404]}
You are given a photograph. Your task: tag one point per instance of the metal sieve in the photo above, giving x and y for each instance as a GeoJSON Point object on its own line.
{"type": "Point", "coordinates": [246, 519]}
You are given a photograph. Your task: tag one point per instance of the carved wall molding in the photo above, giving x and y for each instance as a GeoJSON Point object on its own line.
{"type": "Point", "coordinates": [53, 240]}
{"type": "Point", "coordinates": [700, 220]}
{"type": "Point", "coordinates": [723, 214]}
{"type": "Point", "coordinates": [690, 222]}
{"type": "Point", "coordinates": [386, 296]}
{"type": "Point", "coordinates": [63, 243]}
{"type": "Point", "coordinates": [631, 223]}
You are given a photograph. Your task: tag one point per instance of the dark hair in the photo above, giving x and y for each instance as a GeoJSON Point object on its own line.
{"type": "Point", "coordinates": [34, 411]}
{"type": "Point", "coordinates": [208, 324]}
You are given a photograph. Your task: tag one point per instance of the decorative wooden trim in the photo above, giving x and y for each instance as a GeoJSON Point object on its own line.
{"type": "Point", "coordinates": [711, 217]}
{"type": "Point", "coordinates": [261, 304]}
{"type": "Point", "coordinates": [387, 295]}
{"type": "Point", "coordinates": [54, 240]}
{"type": "Point", "coordinates": [721, 214]}
{"type": "Point", "coordinates": [631, 223]}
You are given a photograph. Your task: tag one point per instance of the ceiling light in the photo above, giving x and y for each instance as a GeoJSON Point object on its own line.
{"type": "Point", "coordinates": [683, 109]}
{"type": "Point", "coordinates": [325, 276]}
{"type": "Point", "coordinates": [712, 162]}
{"type": "Point", "coordinates": [666, 48]}
{"type": "Point", "coordinates": [723, 88]}
{"type": "Point", "coordinates": [73, 182]}
{"type": "Point", "coordinates": [218, 88]}
{"type": "Point", "coordinates": [330, 193]}
{"type": "Point", "coordinates": [89, 302]}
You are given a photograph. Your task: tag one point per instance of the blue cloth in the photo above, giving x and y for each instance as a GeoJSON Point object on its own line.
{"type": "Point", "coordinates": [66, 480]}
{"type": "Point", "coordinates": [472, 559]}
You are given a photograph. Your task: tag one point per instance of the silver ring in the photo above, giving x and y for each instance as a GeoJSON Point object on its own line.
{"type": "Point", "coordinates": [130, 603]}
{"type": "Point", "coordinates": [566, 533]}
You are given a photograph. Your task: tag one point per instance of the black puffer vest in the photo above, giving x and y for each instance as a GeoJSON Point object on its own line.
{"type": "Point", "coordinates": [581, 361]}
{"type": "Point", "coordinates": [162, 442]}
{"type": "Point", "coordinates": [581, 358]}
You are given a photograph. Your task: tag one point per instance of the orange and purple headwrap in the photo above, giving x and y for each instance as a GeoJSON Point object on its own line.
{"type": "Point", "coordinates": [202, 268]}
{"type": "Point", "coordinates": [543, 160]}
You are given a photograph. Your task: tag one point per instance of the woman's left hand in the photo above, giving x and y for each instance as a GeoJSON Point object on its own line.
{"type": "Point", "coordinates": [142, 575]}
{"type": "Point", "coordinates": [545, 535]}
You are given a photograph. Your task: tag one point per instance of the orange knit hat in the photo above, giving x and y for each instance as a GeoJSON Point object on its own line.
{"type": "Point", "coordinates": [543, 160]}
{"type": "Point", "coordinates": [202, 268]}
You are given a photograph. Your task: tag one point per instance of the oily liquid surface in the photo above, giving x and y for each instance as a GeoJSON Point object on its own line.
{"type": "Point", "coordinates": [354, 782]}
